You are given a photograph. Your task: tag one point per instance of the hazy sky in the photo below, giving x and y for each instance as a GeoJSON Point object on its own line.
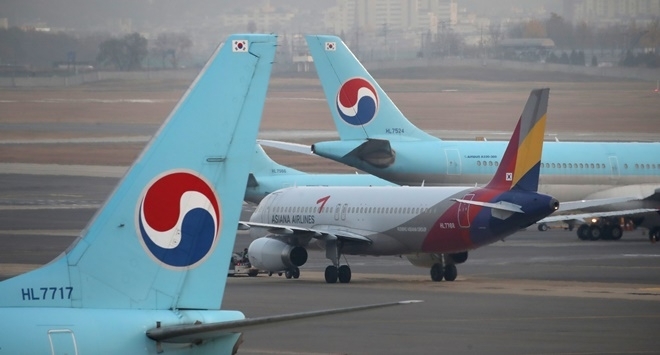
{"type": "Point", "coordinates": [85, 14]}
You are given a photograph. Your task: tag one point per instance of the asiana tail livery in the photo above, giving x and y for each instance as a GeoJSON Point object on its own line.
{"type": "Point", "coordinates": [433, 226]}
{"type": "Point", "coordinates": [144, 277]}
{"type": "Point", "coordinates": [377, 138]}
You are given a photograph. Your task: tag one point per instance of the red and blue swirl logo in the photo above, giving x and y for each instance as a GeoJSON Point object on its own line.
{"type": "Point", "coordinates": [357, 101]}
{"type": "Point", "coordinates": [178, 219]}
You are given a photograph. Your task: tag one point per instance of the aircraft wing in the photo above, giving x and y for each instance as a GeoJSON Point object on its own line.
{"type": "Point", "coordinates": [581, 204]}
{"type": "Point", "coordinates": [581, 216]}
{"type": "Point", "coordinates": [199, 332]}
{"type": "Point", "coordinates": [292, 147]}
{"type": "Point", "coordinates": [320, 232]}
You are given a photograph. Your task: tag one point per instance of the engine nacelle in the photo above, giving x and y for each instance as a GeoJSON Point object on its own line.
{"type": "Point", "coordinates": [459, 258]}
{"type": "Point", "coordinates": [274, 255]}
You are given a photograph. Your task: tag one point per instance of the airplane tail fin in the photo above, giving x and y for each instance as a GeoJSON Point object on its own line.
{"type": "Point", "coordinates": [164, 237]}
{"type": "Point", "coordinates": [262, 164]}
{"type": "Point", "coordinates": [359, 107]}
{"type": "Point", "coordinates": [521, 164]}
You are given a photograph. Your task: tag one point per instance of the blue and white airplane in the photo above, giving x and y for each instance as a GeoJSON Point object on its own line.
{"type": "Point", "coordinates": [377, 138]}
{"type": "Point", "coordinates": [267, 176]}
{"type": "Point", "coordinates": [144, 277]}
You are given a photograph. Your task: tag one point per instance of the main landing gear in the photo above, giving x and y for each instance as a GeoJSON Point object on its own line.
{"type": "Point", "coordinates": [336, 272]}
{"type": "Point", "coordinates": [606, 229]}
{"type": "Point", "coordinates": [447, 268]}
{"type": "Point", "coordinates": [448, 272]}
{"type": "Point", "coordinates": [292, 273]}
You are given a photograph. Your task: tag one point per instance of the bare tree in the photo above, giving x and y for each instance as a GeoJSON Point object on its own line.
{"type": "Point", "coordinates": [172, 47]}
{"type": "Point", "coordinates": [126, 53]}
{"type": "Point", "coordinates": [495, 34]}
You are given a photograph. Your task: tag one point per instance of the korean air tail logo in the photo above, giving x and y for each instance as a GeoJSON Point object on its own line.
{"type": "Point", "coordinates": [178, 219]}
{"type": "Point", "coordinates": [357, 101]}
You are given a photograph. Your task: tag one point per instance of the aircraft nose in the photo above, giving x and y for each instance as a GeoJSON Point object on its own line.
{"type": "Point", "coordinates": [554, 204]}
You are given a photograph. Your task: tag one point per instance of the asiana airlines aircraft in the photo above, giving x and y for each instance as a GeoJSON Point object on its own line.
{"type": "Point", "coordinates": [376, 137]}
{"type": "Point", "coordinates": [144, 275]}
{"type": "Point", "coordinates": [433, 226]}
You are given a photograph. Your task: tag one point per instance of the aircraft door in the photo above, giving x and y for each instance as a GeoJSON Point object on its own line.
{"type": "Point", "coordinates": [337, 209]}
{"type": "Point", "coordinates": [343, 211]}
{"type": "Point", "coordinates": [464, 212]}
{"type": "Point", "coordinates": [614, 168]}
{"type": "Point", "coordinates": [62, 342]}
{"type": "Point", "coordinates": [270, 204]}
{"type": "Point", "coordinates": [453, 162]}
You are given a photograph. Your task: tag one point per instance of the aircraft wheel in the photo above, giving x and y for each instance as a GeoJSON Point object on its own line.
{"type": "Point", "coordinates": [288, 274]}
{"type": "Point", "coordinates": [450, 272]}
{"type": "Point", "coordinates": [654, 234]}
{"type": "Point", "coordinates": [331, 274]}
{"type": "Point", "coordinates": [542, 227]}
{"type": "Point", "coordinates": [253, 272]}
{"type": "Point", "coordinates": [583, 232]}
{"type": "Point", "coordinates": [595, 232]}
{"type": "Point", "coordinates": [616, 232]}
{"type": "Point", "coordinates": [295, 273]}
{"type": "Point", "coordinates": [344, 274]}
{"type": "Point", "coordinates": [437, 272]}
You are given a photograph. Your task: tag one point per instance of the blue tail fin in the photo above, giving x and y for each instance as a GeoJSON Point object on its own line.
{"type": "Point", "coordinates": [359, 107]}
{"type": "Point", "coordinates": [164, 237]}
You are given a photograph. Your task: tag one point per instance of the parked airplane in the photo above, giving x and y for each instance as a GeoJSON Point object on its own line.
{"type": "Point", "coordinates": [144, 275]}
{"type": "Point", "coordinates": [267, 176]}
{"type": "Point", "coordinates": [433, 226]}
{"type": "Point", "coordinates": [377, 138]}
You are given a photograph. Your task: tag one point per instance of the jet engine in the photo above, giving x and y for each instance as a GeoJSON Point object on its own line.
{"type": "Point", "coordinates": [274, 255]}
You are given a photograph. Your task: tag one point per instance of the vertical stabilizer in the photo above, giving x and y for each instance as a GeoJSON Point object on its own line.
{"type": "Point", "coordinates": [359, 107]}
{"type": "Point", "coordinates": [521, 163]}
{"type": "Point", "coordinates": [262, 164]}
{"type": "Point", "coordinates": [164, 237]}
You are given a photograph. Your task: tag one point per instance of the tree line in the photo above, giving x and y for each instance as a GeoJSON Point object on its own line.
{"type": "Point", "coordinates": [41, 51]}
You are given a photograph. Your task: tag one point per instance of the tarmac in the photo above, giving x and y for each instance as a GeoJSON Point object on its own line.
{"type": "Point", "coordinates": [533, 293]}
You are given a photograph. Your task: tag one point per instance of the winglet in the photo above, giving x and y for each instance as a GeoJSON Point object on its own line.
{"type": "Point", "coordinates": [521, 163]}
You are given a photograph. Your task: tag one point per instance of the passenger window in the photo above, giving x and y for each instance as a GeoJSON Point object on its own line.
{"type": "Point", "coordinates": [478, 163]}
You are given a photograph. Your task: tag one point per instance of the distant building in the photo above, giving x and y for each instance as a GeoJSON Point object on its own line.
{"type": "Point", "coordinates": [608, 12]}
{"type": "Point", "coordinates": [391, 15]}
{"type": "Point", "coordinates": [525, 49]}
{"type": "Point", "coordinates": [4, 23]}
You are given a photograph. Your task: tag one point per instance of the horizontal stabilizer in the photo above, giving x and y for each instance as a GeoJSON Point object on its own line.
{"type": "Point", "coordinates": [291, 147]}
{"type": "Point", "coordinates": [198, 333]}
{"type": "Point", "coordinates": [503, 206]}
